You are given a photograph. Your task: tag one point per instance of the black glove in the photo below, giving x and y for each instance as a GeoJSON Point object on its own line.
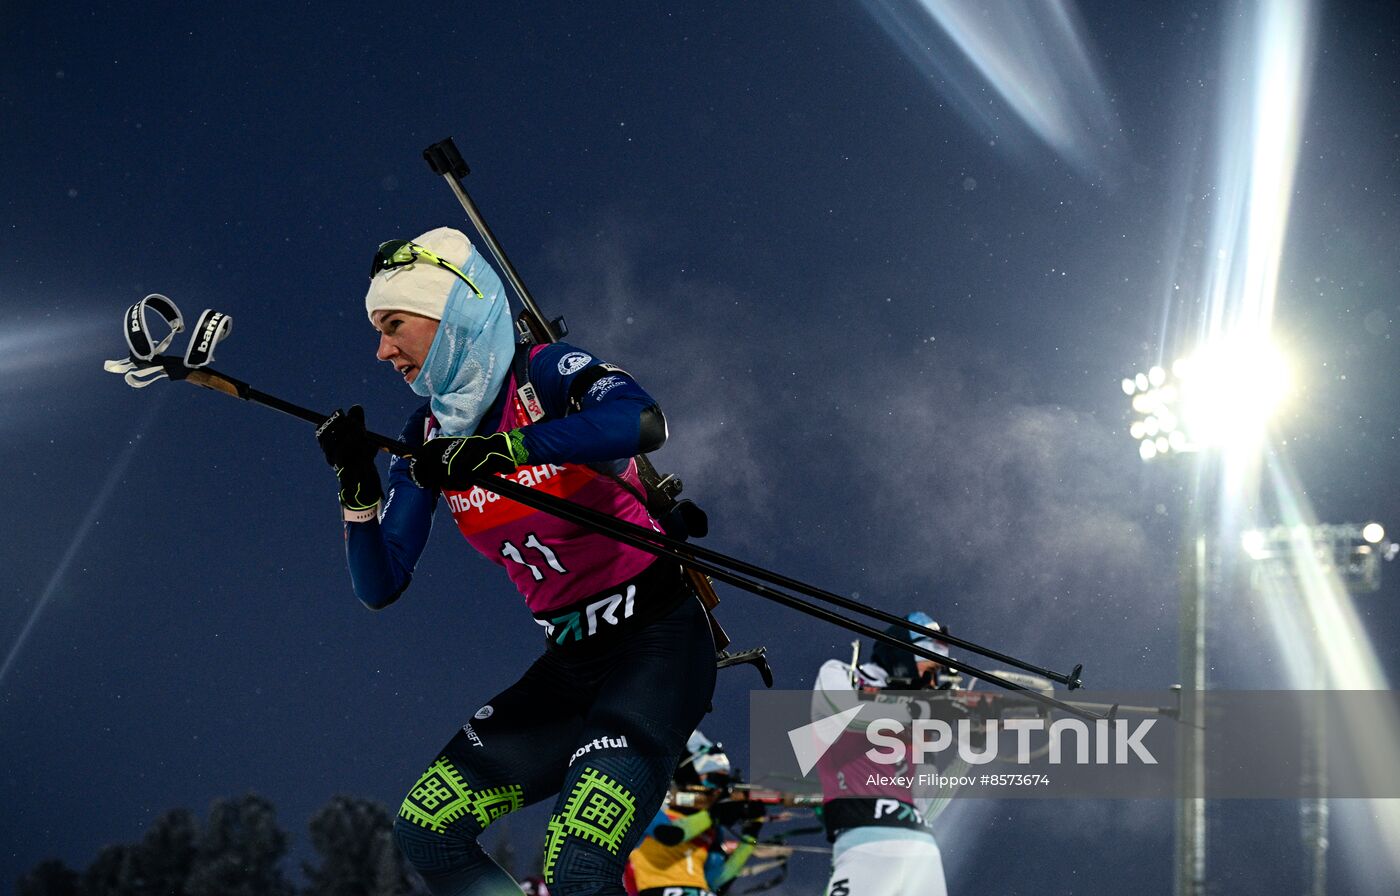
{"type": "Point", "coordinates": [348, 450]}
{"type": "Point", "coordinates": [732, 811]}
{"type": "Point", "coordinates": [751, 828]}
{"type": "Point", "coordinates": [668, 834]}
{"type": "Point", "coordinates": [450, 462]}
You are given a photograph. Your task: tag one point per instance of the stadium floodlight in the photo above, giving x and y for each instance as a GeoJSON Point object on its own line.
{"type": "Point", "coordinates": [1220, 398]}
{"type": "Point", "coordinates": [1353, 551]}
{"type": "Point", "coordinates": [1255, 544]}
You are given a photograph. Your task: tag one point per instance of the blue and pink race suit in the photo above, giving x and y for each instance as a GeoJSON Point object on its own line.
{"type": "Point", "coordinates": [586, 724]}
{"type": "Point", "coordinates": [552, 561]}
{"type": "Point", "coordinates": [573, 580]}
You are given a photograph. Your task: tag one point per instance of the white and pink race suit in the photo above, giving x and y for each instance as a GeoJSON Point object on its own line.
{"type": "Point", "coordinates": [881, 844]}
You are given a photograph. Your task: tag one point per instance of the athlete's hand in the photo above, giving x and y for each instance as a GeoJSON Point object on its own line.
{"type": "Point", "coordinates": [451, 462]}
{"type": "Point", "coordinates": [732, 811]}
{"type": "Point", "coordinates": [350, 453]}
{"type": "Point", "coordinates": [668, 834]}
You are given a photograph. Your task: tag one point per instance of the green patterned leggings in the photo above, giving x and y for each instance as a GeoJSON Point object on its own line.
{"type": "Point", "coordinates": [602, 731]}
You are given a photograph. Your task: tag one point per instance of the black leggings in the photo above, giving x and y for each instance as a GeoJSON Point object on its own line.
{"type": "Point", "coordinates": [603, 726]}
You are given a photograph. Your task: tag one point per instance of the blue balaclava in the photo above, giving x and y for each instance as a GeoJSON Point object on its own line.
{"type": "Point", "coordinates": [470, 357]}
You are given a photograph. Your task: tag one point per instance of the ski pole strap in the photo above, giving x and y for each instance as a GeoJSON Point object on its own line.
{"type": "Point", "coordinates": [141, 367]}
{"type": "Point", "coordinates": [136, 375]}
{"type": "Point", "coordinates": [213, 326]}
{"type": "Point", "coordinates": [144, 363]}
{"type": "Point", "coordinates": [138, 335]}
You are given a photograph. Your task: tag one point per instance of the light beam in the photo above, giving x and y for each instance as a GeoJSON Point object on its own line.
{"type": "Point", "coordinates": [1034, 55]}
{"type": "Point", "coordinates": [95, 511]}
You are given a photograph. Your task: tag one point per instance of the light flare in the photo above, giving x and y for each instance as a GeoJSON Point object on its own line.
{"type": "Point", "coordinates": [1230, 392]}
{"type": "Point", "coordinates": [1314, 621]}
{"type": "Point", "coordinates": [1034, 55]}
{"type": "Point", "coordinates": [28, 346]}
{"type": "Point", "coordinates": [95, 512]}
{"type": "Point", "coordinates": [1324, 645]}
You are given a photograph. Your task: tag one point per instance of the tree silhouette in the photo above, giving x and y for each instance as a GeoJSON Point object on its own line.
{"type": "Point", "coordinates": [111, 873]}
{"type": "Point", "coordinates": [238, 852]}
{"type": "Point", "coordinates": [390, 876]}
{"type": "Point", "coordinates": [503, 852]}
{"type": "Point", "coordinates": [354, 839]}
{"type": "Point", "coordinates": [162, 862]}
{"type": "Point", "coordinates": [48, 878]}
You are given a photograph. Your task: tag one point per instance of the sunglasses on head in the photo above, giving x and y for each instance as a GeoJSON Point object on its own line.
{"type": "Point", "coordinates": [402, 253]}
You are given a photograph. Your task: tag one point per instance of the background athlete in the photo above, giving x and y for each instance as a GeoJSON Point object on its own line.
{"type": "Point", "coordinates": [684, 852]}
{"type": "Point", "coordinates": [586, 721]}
{"type": "Point", "coordinates": [881, 842]}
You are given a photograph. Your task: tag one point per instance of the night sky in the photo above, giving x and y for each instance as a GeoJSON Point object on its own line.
{"type": "Point", "coordinates": [886, 318]}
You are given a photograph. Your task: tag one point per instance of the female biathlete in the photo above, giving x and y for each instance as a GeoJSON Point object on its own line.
{"type": "Point", "coordinates": [628, 665]}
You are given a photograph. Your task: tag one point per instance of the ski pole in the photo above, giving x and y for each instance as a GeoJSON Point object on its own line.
{"type": "Point", "coordinates": [445, 160]}
{"type": "Point", "coordinates": [656, 543]}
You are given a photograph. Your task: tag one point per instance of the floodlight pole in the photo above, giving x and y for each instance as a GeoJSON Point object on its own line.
{"type": "Point", "coordinates": [1190, 844]}
{"type": "Point", "coordinates": [1196, 573]}
{"type": "Point", "coordinates": [1313, 811]}
{"type": "Point", "coordinates": [1277, 550]}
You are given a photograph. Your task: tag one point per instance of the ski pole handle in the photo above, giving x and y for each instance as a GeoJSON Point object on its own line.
{"type": "Point", "coordinates": [719, 566]}
{"type": "Point", "coordinates": [235, 388]}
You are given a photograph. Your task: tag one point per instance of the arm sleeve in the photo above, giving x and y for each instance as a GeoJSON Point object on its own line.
{"type": "Point", "coordinates": [721, 869]}
{"type": "Point", "coordinates": [599, 412]}
{"type": "Point", "coordinates": [833, 692]}
{"type": "Point", "coordinates": [382, 552]}
{"type": "Point", "coordinates": [691, 826]}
